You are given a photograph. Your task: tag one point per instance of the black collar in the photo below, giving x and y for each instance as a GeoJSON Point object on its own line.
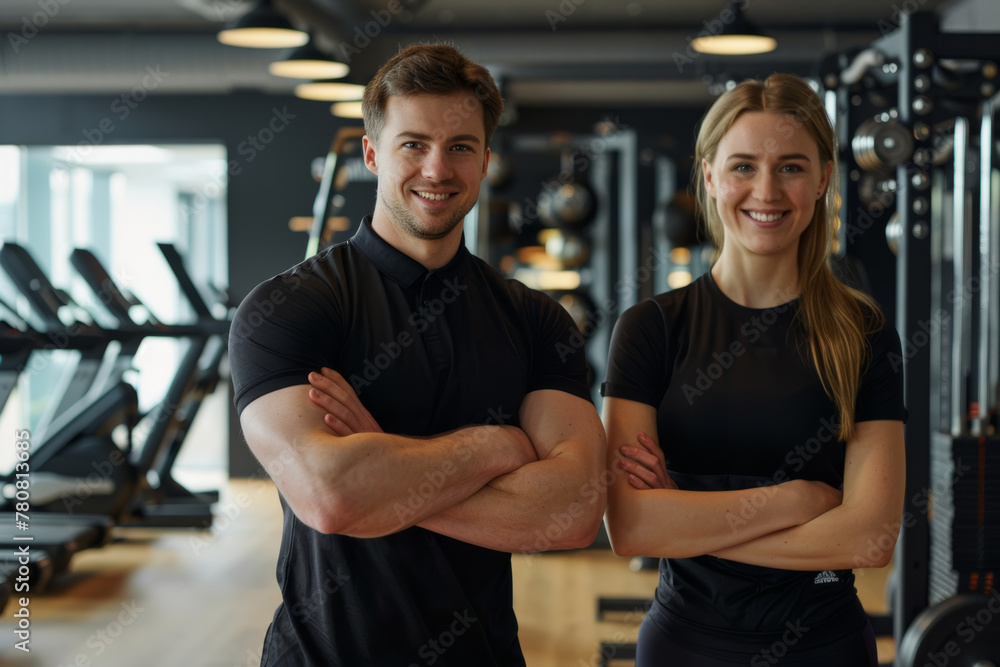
{"type": "Point", "coordinates": [399, 266]}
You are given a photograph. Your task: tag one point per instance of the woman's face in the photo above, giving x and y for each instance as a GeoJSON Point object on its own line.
{"type": "Point", "coordinates": [766, 178]}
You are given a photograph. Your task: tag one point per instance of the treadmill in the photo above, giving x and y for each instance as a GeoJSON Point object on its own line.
{"type": "Point", "coordinates": [48, 304]}
{"type": "Point", "coordinates": [89, 435]}
{"type": "Point", "coordinates": [162, 500]}
{"type": "Point", "coordinates": [135, 485]}
{"type": "Point", "coordinates": [41, 547]}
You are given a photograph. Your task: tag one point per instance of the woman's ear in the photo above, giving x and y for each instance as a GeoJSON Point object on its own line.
{"type": "Point", "coordinates": [706, 173]}
{"type": "Point", "coordinates": [826, 180]}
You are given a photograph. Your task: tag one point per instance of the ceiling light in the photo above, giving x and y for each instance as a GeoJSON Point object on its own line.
{"type": "Point", "coordinates": [736, 36]}
{"type": "Point", "coordinates": [347, 109]}
{"type": "Point", "coordinates": [329, 91]}
{"type": "Point", "coordinates": [262, 28]}
{"type": "Point", "coordinates": [308, 62]}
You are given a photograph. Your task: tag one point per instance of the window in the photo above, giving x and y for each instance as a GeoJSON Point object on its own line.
{"type": "Point", "coordinates": [117, 202]}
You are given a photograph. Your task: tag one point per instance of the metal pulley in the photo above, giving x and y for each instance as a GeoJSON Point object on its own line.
{"type": "Point", "coordinates": [881, 145]}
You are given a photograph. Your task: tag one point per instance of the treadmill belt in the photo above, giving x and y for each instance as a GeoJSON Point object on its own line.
{"type": "Point", "coordinates": [40, 567]}
{"type": "Point", "coordinates": [60, 540]}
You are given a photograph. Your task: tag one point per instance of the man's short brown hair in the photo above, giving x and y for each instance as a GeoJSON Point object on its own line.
{"type": "Point", "coordinates": [438, 69]}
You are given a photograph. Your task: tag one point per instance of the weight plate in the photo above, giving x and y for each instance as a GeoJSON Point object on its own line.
{"type": "Point", "coordinates": [893, 143]}
{"type": "Point", "coordinates": [569, 204]}
{"type": "Point", "coordinates": [875, 193]}
{"type": "Point", "coordinates": [863, 146]}
{"type": "Point", "coordinates": [963, 631]}
{"type": "Point", "coordinates": [881, 146]}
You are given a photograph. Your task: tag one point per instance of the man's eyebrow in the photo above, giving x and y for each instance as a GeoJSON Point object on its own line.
{"type": "Point", "coordinates": [469, 138]}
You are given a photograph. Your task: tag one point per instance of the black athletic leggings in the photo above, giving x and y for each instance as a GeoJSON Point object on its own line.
{"type": "Point", "coordinates": [658, 650]}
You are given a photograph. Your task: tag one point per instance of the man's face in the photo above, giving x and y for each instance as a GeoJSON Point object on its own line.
{"type": "Point", "coordinates": [430, 160]}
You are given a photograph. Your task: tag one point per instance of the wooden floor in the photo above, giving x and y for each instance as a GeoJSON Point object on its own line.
{"type": "Point", "coordinates": [204, 599]}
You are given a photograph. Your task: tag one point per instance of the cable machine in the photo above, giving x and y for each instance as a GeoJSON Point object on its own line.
{"type": "Point", "coordinates": [918, 108]}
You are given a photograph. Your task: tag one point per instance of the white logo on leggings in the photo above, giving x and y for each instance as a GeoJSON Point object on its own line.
{"type": "Point", "coordinates": [826, 577]}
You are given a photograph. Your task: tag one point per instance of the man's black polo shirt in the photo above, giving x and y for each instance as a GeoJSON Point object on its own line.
{"type": "Point", "coordinates": [427, 352]}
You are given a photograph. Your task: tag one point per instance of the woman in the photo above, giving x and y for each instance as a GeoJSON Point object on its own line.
{"type": "Point", "coordinates": [771, 393]}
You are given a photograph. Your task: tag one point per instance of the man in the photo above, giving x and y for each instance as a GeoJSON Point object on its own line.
{"type": "Point", "coordinates": [451, 423]}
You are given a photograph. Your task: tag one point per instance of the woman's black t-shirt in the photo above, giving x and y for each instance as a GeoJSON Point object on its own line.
{"type": "Point", "coordinates": [739, 405]}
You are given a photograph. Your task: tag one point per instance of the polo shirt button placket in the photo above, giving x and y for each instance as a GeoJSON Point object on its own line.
{"type": "Point", "coordinates": [431, 313]}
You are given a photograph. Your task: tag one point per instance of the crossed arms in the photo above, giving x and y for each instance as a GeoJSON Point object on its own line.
{"type": "Point", "coordinates": [501, 486]}
{"type": "Point", "coordinates": [797, 525]}
{"type": "Point", "coordinates": [491, 485]}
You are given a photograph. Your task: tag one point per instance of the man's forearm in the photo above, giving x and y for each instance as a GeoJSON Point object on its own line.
{"type": "Point", "coordinates": [367, 484]}
{"type": "Point", "coordinates": [555, 503]}
{"type": "Point", "coordinates": [373, 484]}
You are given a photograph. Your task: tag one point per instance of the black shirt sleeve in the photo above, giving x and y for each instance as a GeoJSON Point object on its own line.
{"type": "Point", "coordinates": [558, 358]}
{"type": "Point", "coordinates": [881, 393]}
{"type": "Point", "coordinates": [637, 366]}
{"type": "Point", "coordinates": [281, 332]}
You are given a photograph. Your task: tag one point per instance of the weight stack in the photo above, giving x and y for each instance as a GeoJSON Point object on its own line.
{"type": "Point", "coordinates": [964, 515]}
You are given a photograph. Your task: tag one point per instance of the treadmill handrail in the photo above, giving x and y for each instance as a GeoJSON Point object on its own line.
{"type": "Point", "coordinates": [46, 300]}
{"type": "Point", "coordinates": [25, 273]}
{"type": "Point", "coordinates": [184, 280]}
{"type": "Point", "coordinates": [104, 288]}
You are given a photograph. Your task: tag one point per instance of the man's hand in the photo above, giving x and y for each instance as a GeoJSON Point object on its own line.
{"type": "Point", "coordinates": [562, 444]}
{"type": "Point", "coordinates": [645, 465]}
{"type": "Point", "coordinates": [345, 414]}
{"type": "Point", "coordinates": [340, 473]}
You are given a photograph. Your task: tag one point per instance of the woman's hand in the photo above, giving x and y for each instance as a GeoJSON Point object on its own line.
{"type": "Point", "coordinates": [345, 413]}
{"type": "Point", "coordinates": [645, 465]}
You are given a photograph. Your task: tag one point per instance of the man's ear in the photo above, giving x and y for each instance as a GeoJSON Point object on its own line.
{"type": "Point", "coordinates": [368, 146]}
{"type": "Point", "coordinates": [486, 163]}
